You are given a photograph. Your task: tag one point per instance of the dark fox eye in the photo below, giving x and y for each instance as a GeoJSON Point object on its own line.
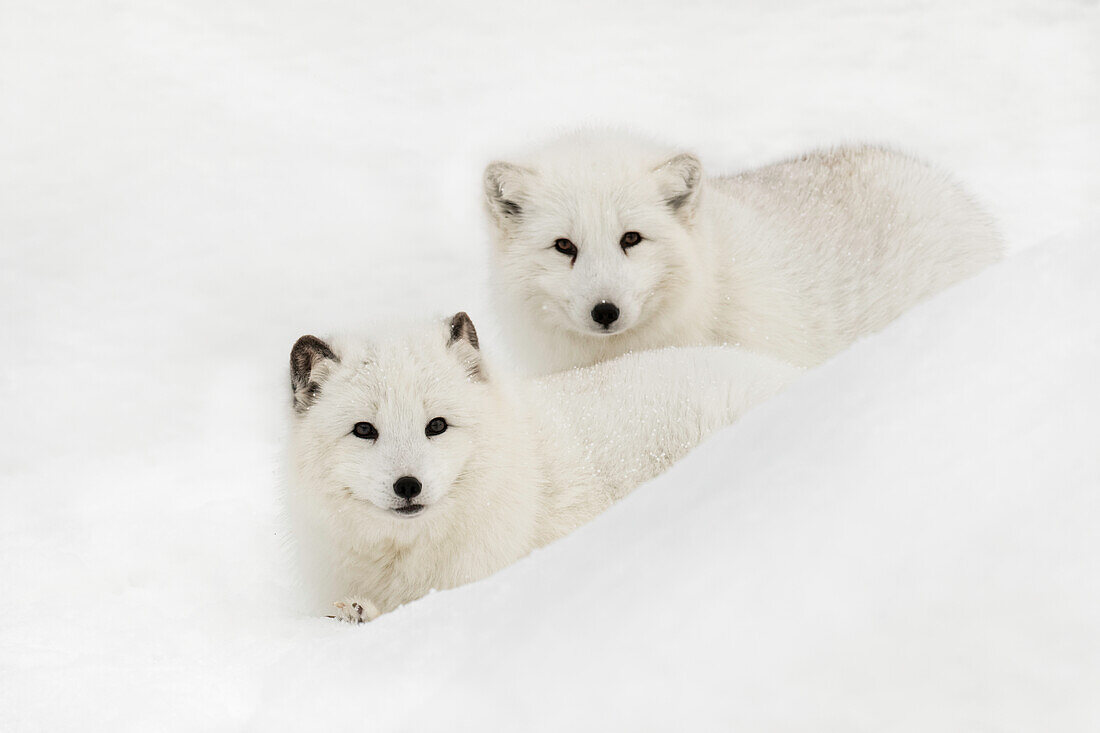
{"type": "Point", "coordinates": [565, 247]}
{"type": "Point", "coordinates": [365, 431]}
{"type": "Point", "coordinates": [435, 426]}
{"type": "Point", "coordinates": [630, 239]}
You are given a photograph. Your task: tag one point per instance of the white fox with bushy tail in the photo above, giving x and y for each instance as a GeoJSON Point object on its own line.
{"type": "Point", "coordinates": [605, 245]}
{"type": "Point", "coordinates": [416, 466]}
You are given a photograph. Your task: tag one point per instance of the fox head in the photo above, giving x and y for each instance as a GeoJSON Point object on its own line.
{"type": "Point", "coordinates": [389, 426]}
{"type": "Point", "coordinates": [594, 234]}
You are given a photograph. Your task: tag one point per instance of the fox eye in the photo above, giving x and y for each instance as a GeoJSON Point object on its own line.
{"type": "Point", "coordinates": [630, 239]}
{"type": "Point", "coordinates": [365, 430]}
{"type": "Point", "coordinates": [435, 426]}
{"type": "Point", "coordinates": [565, 247]}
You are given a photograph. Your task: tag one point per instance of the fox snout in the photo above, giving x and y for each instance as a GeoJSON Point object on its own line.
{"type": "Point", "coordinates": [605, 313]}
{"type": "Point", "coordinates": [407, 487]}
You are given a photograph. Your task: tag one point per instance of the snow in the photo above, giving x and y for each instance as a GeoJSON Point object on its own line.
{"type": "Point", "coordinates": [903, 541]}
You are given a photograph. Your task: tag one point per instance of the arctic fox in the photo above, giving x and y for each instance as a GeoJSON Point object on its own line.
{"type": "Point", "coordinates": [416, 466]}
{"type": "Point", "coordinates": [605, 245]}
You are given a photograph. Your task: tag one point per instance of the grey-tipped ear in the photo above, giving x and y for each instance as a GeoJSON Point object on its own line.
{"type": "Point", "coordinates": [462, 329]}
{"type": "Point", "coordinates": [680, 179]}
{"type": "Point", "coordinates": [307, 360]}
{"type": "Point", "coordinates": [464, 340]}
{"type": "Point", "coordinates": [504, 191]}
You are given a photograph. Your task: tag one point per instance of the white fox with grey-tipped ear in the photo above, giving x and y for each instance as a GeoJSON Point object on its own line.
{"type": "Point", "coordinates": [416, 466]}
{"type": "Point", "coordinates": [606, 244]}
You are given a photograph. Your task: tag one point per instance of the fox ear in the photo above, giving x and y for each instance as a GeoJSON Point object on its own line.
{"type": "Point", "coordinates": [310, 360]}
{"type": "Point", "coordinates": [462, 329]}
{"type": "Point", "coordinates": [463, 340]}
{"type": "Point", "coordinates": [680, 178]}
{"type": "Point", "coordinates": [504, 191]}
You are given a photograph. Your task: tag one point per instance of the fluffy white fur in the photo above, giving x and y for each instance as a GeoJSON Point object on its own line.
{"type": "Point", "coordinates": [797, 259]}
{"type": "Point", "coordinates": [521, 463]}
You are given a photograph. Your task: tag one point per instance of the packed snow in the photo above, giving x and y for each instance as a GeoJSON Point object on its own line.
{"type": "Point", "coordinates": [904, 540]}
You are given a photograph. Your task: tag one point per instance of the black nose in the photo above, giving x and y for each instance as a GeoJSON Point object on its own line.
{"type": "Point", "coordinates": [605, 314]}
{"type": "Point", "coordinates": [406, 487]}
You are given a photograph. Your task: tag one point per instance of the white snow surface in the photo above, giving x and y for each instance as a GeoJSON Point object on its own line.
{"type": "Point", "coordinates": [905, 540]}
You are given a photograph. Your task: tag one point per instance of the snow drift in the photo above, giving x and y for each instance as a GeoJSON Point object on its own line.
{"type": "Point", "coordinates": [904, 541]}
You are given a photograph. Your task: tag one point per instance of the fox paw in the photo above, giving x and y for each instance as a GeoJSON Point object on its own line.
{"type": "Point", "coordinates": [355, 611]}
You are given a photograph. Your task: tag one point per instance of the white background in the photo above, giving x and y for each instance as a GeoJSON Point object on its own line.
{"type": "Point", "coordinates": [186, 187]}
